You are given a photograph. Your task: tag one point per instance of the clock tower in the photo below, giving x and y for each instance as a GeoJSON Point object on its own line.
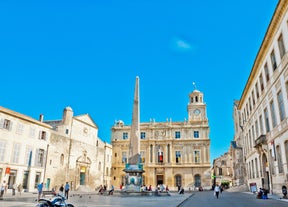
{"type": "Point", "coordinates": [196, 107]}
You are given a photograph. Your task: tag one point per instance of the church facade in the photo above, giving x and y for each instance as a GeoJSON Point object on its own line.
{"type": "Point", "coordinates": [52, 152]}
{"type": "Point", "coordinates": [173, 153]}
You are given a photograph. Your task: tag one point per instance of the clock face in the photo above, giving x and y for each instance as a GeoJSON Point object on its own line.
{"type": "Point", "coordinates": [196, 111]}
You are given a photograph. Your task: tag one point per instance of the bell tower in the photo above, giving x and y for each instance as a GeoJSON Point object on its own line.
{"type": "Point", "coordinates": [196, 107]}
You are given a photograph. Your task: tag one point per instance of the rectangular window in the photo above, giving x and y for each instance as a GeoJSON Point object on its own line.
{"type": "Point", "coordinates": [273, 60]}
{"type": "Point", "coordinates": [196, 134]}
{"type": "Point", "coordinates": [253, 98]}
{"type": "Point", "coordinates": [197, 156]}
{"type": "Point", "coordinates": [281, 46]}
{"type": "Point", "coordinates": [32, 132]}
{"type": "Point", "coordinates": [256, 129]}
{"type": "Point", "coordinates": [42, 135]}
{"type": "Point", "coordinates": [16, 153]}
{"type": "Point", "coordinates": [261, 125]}
{"type": "Point", "coordinates": [20, 128]}
{"type": "Point", "coordinates": [37, 179]}
{"type": "Point", "coordinates": [2, 150]}
{"type": "Point", "coordinates": [143, 135]}
{"type": "Point", "coordinates": [124, 157]}
{"type": "Point", "coordinates": [177, 135]}
{"type": "Point", "coordinates": [261, 82]}
{"type": "Point", "coordinates": [257, 90]}
{"type": "Point", "coordinates": [256, 167]}
{"type": "Point", "coordinates": [160, 157]}
{"type": "Point", "coordinates": [178, 156]}
{"type": "Point", "coordinates": [39, 162]}
{"type": "Point", "coordinates": [250, 106]}
{"type": "Point", "coordinates": [266, 70]}
{"type": "Point", "coordinates": [125, 135]}
{"type": "Point", "coordinates": [5, 124]}
{"type": "Point", "coordinates": [220, 171]}
{"type": "Point", "coordinates": [266, 120]}
{"type": "Point", "coordinates": [281, 105]}
{"type": "Point", "coordinates": [272, 109]}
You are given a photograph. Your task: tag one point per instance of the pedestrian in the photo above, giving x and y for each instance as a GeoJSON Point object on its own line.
{"type": "Point", "coordinates": [2, 189]}
{"type": "Point", "coordinates": [40, 190]}
{"type": "Point", "coordinates": [112, 190]}
{"type": "Point", "coordinates": [150, 188]}
{"type": "Point", "coordinates": [14, 189]}
{"type": "Point", "coordinates": [19, 188]}
{"type": "Point", "coordinates": [61, 190]}
{"type": "Point", "coordinates": [67, 188]}
{"type": "Point", "coordinates": [217, 190]}
{"type": "Point", "coordinates": [101, 190]}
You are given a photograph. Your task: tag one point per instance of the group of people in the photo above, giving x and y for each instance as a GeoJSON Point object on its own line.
{"type": "Point", "coordinates": [4, 187]}
{"type": "Point", "coordinates": [103, 188]}
{"type": "Point", "coordinates": [63, 190]}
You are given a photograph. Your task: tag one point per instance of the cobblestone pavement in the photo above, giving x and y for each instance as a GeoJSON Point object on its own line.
{"type": "Point", "coordinates": [90, 199]}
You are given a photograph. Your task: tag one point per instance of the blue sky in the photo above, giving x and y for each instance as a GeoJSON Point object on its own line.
{"type": "Point", "coordinates": [86, 54]}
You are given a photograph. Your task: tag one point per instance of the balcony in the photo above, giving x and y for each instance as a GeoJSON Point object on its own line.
{"type": "Point", "coordinates": [261, 144]}
{"type": "Point", "coordinates": [260, 141]}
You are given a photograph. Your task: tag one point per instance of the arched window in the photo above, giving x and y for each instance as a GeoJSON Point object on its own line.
{"type": "Point", "coordinates": [62, 159]}
{"type": "Point", "coordinates": [178, 180]}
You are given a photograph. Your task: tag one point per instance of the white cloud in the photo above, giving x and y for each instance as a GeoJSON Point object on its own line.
{"type": "Point", "coordinates": [181, 45]}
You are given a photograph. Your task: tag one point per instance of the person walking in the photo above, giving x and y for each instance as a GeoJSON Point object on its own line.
{"type": "Point", "coordinates": [67, 188]}
{"type": "Point", "coordinates": [40, 190]}
{"type": "Point", "coordinates": [217, 190]}
{"type": "Point", "coordinates": [2, 189]}
{"type": "Point", "coordinates": [112, 190]}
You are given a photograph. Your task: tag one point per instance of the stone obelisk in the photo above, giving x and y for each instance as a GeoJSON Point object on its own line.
{"type": "Point", "coordinates": [134, 167]}
{"type": "Point", "coordinates": [134, 147]}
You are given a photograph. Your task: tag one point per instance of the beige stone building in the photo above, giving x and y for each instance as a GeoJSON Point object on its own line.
{"type": "Point", "coordinates": [222, 170]}
{"type": "Point", "coordinates": [76, 154]}
{"type": "Point", "coordinates": [24, 143]}
{"type": "Point", "coordinates": [53, 152]}
{"type": "Point", "coordinates": [261, 116]}
{"type": "Point", "coordinates": [173, 153]}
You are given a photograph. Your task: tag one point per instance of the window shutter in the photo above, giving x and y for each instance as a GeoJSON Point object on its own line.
{"type": "Point", "coordinates": [44, 159]}
{"type": "Point", "coordinates": [36, 157]}
{"type": "Point", "coordinates": [1, 123]}
{"type": "Point", "coordinates": [10, 126]}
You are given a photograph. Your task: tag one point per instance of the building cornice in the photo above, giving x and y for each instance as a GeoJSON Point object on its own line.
{"type": "Point", "coordinates": [23, 117]}
{"type": "Point", "coordinates": [275, 22]}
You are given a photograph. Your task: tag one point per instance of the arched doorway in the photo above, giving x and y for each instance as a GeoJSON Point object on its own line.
{"type": "Point", "coordinates": [178, 181]}
{"type": "Point", "coordinates": [83, 164]}
{"type": "Point", "coordinates": [197, 179]}
{"type": "Point", "coordinates": [265, 172]}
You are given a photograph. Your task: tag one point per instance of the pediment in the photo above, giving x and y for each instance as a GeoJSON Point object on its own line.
{"type": "Point", "coordinates": [86, 118]}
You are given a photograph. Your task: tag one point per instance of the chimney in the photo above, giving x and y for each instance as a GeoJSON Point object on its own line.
{"type": "Point", "coordinates": [41, 117]}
